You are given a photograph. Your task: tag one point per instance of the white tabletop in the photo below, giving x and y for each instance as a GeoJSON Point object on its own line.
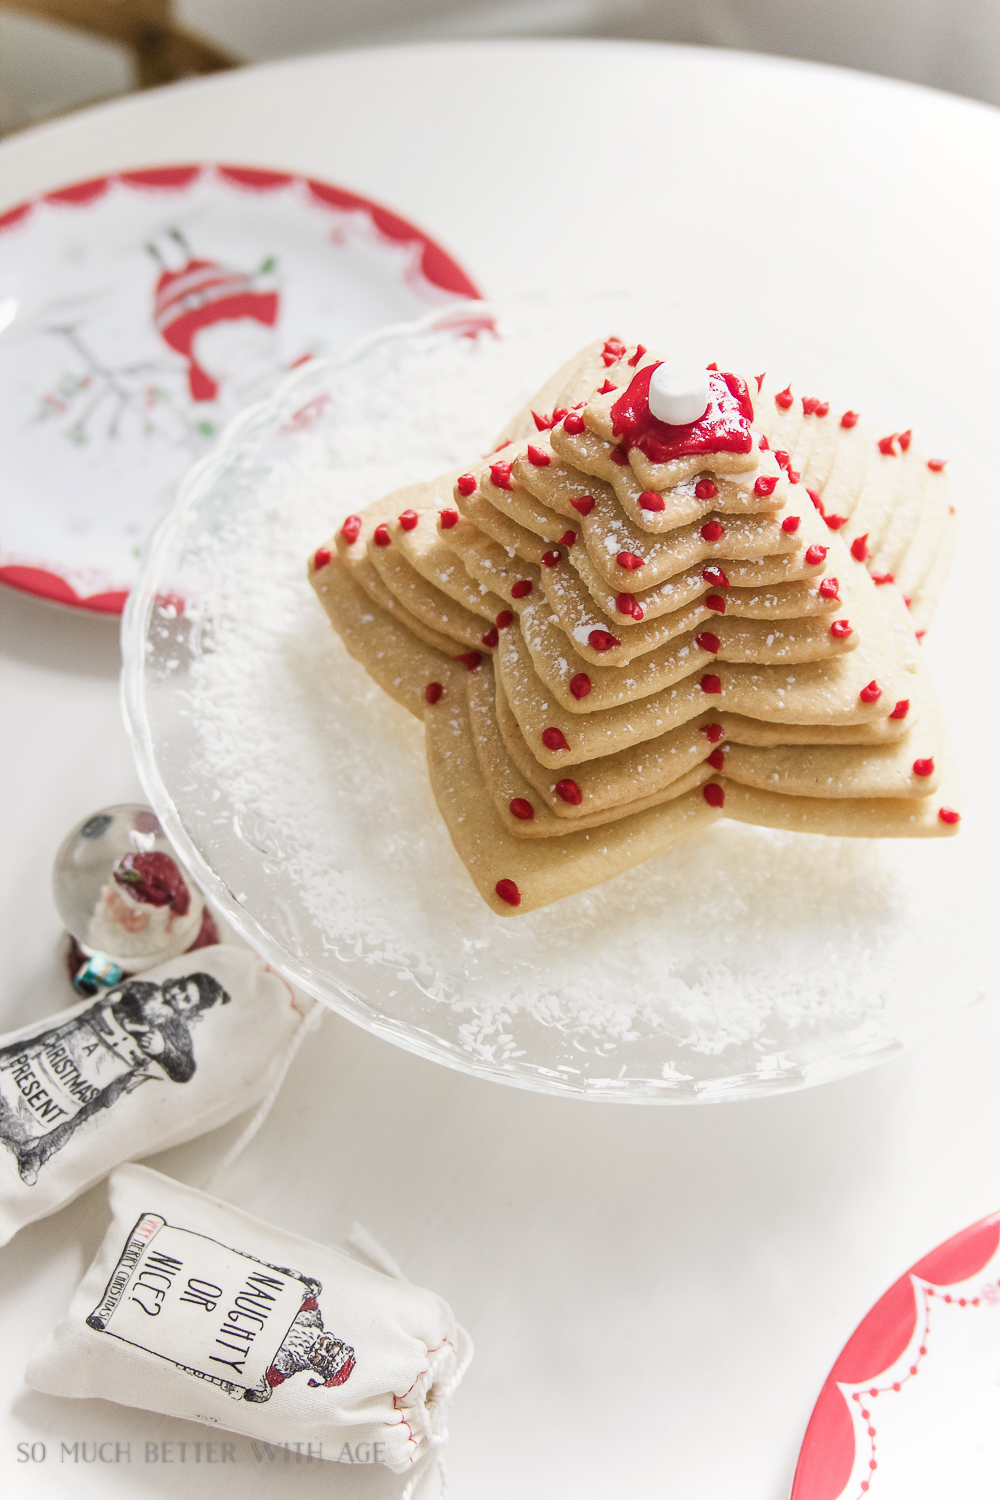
{"type": "Point", "coordinates": [656, 1294]}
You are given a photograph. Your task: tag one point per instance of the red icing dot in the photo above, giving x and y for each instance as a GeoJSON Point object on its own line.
{"type": "Point", "coordinates": [713, 531]}
{"type": "Point", "coordinates": [710, 683]}
{"type": "Point", "coordinates": [823, 409]}
{"type": "Point", "coordinates": [574, 424]}
{"type": "Point", "coordinates": [936, 464]}
{"type": "Point", "coordinates": [887, 445]}
{"type": "Point", "coordinates": [408, 519]}
{"type": "Point", "coordinates": [782, 459]}
{"type": "Point", "coordinates": [606, 388]}
{"type": "Point", "coordinates": [816, 554]}
{"type": "Point", "coordinates": [816, 499]}
{"type": "Point", "coordinates": [760, 380]}
{"type": "Point", "coordinates": [500, 475]}
{"type": "Point", "coordinates": [849, 419]}
{"type": "Point", "coordinates": [650, 500]}
{"type": "Point", "coordinates": [829, 589]}
{"type": "Point", "coordinates": [712, 366]}
{"type": "Point", "coordinates": [551, 559]}
{"type": "Point", "coordinates": [602, 640]}
{"type": "Point", "coordinates": [554, 739]}
{"type": "Point", "coordinates": [904, 439]}
{"type": "Point", "coordinates": [569, 792]}
{"type": "Point", "coordinates": [521, 589]}
{"type": "Point", "coordinates": [883, 578]}
{"type": "Point", "coordinates": [714, 574]}
{"type": "Point", "coordinates": [613, 350]}
{"type": "Point", "coordinates": [542, 422]}
{"type": "Point", "coordinates": [835, 522]}
{"type": "Point", "coordinates": [794, 476]}
{"type": "Point", "coordinates": [870, 694]}
{"type": "Point", "coordinates": [713, 733]}
{"type": "Point", "coordinates": [434, 692]}
{"type": "Point", "coordinates": [619, 456]}
{"type": "Point", "coordinates": [508, 891]}
{"type": "Point", "coordinates": [640, 350]}
{"type": "Point", "coordinates": [706, 490]}
{"type": "Point", "coordinates": [859, 548]}
{"type": "Point", "coordinates": [449, 518]}
{"type": "Point", "coordinates": [717, 759]}
{"type": "Point", "coordinates": [351, 529]}
{"type": "Point", "coordinates": [766, 484]}
{"type": "Point", "coordinates": [784, 398]}
{"type": "Point", "coordinates": [567, 539]}
{"type": "Point", "coordinates": [491, 638]}
{"type": "Point", "coordinates": [626, 604]}
{"type": "Point", "coordinates": [791, 524]}
{"type": "Point", "coordinates": [809, 404]}
{"type": "Point", "coordinates": [538, 456]}
{"type": "Point", "coordinates": [706, 641]}
{"type": "Point", "coordinates": [522, 809]}
{"type": "Point", "coordinates": [580, 685]}
{"type": "Point", "coordinates": [924, 767]}
{"type": "Point", "coordinates": [901, 710]}
{"type": "Point", "coordinates": [841, 629]}
{"type": "Point", "coordinates": [631, 561]}
{"type": "Point", "coordinates": [381, 536]}
{"type": "Point", "coordinates": [713, 794]}
{"type": "Point", "coordinates": [504, 618]}
{"type": "Point", "coordinates": [584, 504]}
{"type": "Point", "coordinates": [470, 660]}
{"type": "Point", "coordinates": [715, 602]}
{"type": "Point", "coordinates": [466, 483]}
{"type": "Point", "coordinates": [949, 815]}
{"type": "Point", "coordinates": [558, 412]}
{"type": "Point", "coordinates": [322, 558]}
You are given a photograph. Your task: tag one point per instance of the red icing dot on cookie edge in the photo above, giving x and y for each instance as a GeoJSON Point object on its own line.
{"type": "Point", "coordinates": [580, 685]}
{"type": "Point", "coordinates": [713, 794]}
{"type": "Point", "coordinates": [508, 891]}
{"type": "Point", "coordinates": [870, 694]}
{"type": "Point", "coordinates": [351, 529]}
{"type": "Point", "coordinates": [949, 815]}
{"type": "Point", "coordinates": [449, 518]}
{"type": "Point", "coordinates": [554, 739]}
{"type": "Point", "coordinates": [924, 767]}
{"type": "Point", "coordinates": [901, 710]}
{"type": "Point", "coordinates": [522, 809]}
{"type": "Point", "coordinates": [569, 792]}
{"type": "Point", "coordinates": [434, 692]}
{"type": "Point", "coordinates": [321, 558]}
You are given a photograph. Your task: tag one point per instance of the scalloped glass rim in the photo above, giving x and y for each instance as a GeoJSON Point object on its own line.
{"type": "Point", "coordinates": [858, 1047]}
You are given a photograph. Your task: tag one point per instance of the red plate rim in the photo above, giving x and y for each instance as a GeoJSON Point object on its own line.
{"type": "Point", "coordinates": [436, 264]}
{"type": "Point", "coordinates": [827, 1454]}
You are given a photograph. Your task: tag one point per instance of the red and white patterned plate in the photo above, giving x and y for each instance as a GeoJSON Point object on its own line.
{"type": "Point", "coordinates": [139, 313]}
{"type": "Point", "coordinates": [912, 1406]}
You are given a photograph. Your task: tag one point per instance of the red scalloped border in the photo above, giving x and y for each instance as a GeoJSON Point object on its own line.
{"type": "Point", "coordinates": [827, 1455]}
{"type": "Point", "coordinates": [436, 264]}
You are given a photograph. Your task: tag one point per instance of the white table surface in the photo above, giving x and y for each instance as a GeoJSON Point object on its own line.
{"type": "Point", "coordinates": [656, 1294]}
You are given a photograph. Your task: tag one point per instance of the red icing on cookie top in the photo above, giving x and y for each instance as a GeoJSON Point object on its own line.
{"type": "Point", "coordinates": [791, 524]}
{"type": "Point", "coordinates": [567, 539]}
{"type": "Point", "coordinates": [870, 694]}
{"type": "Point", "coordinates": [606, 388]}
{"type": "Point", "coordinates": [569, 792]}
{"type": "Point", "coordinates": [521, 589]}
{"type": "Point", "coordinates": [627, 604]}
{"type": "Point", "coordinates": [713, 531]}
{"type": "Point", "coordinates": [936, 464]}
{"type": "Point", "coordinates": [434, 692]}
{"type": "Point", "coordinates": [809, 405]}
{"type": "Point", "coordinates": [574, 424]}
{"type": "Point", "coordinates": [887, 445]}
{"type": "Point", "coordinates": [829, 589]}
{"type": "Point", "coordinates": [715, 602]}
{"type": "Point", "coordinates": [522, 809]}
{"type": "Point", "coordinates": [466, 483]}
{"type": "Point", "coordinates": [823, 409]}
{"type": "Point", "coordinates": [883, 578]}
{"type": "Point", "coordinates": [782, 459]}
{"type": "Point", "coordinates": [612, 351]}
{"type": "Point", "coordinates": [710, 683]}
{"type": "Point", "coordinates": [538, 457]}
{"type": "Point", "coordinates": [553, 558]}
{"type": "Point", "coordinates": [500, 475]}
{"type": "Point", "coordinates": [381, 536]}
{"type": "Point", "coordinates": [713, 794]}
{"type": "Point", "coordinates": [816, 499]}
{"type": "Point", "coordinates": [408, 519]}
{"type": "Point", "coordinates": [850, 419]}
{"type": "Point", "coordinates": [504, 618]}
{"type": "Point", "coordinates": [351, 529]}
{"type": "Point", "coordinates": [714, 574]}
{"type": "Point", "coordinates": [784, 398]}
{"type": "Point", "coordinates": [321, 558]}
{"type": "Point", "coordinates": [449, 518]}
{"type": "Point", "coordinates": [584, 504]}
{"type": "Point", "coordinates": [904, 439]}
{"type": "Point", "coordinates": [602, 640]}
{"type": "Point", "coordinates": [841, 629]}
{"type": "Point", "coordinates": [470, 660]}
{"type": "Point", "coordinates": [717, 759]}
{"type": "Point", "coordinates": [650, 500]}
{"type": "Point", "coordinates": [901, 710]}
{"type": "Point", "coordinates": [630, 561]}
{"type": "Point", "coordinates": [924, 767]}
{"type": "Point", "coordinates": [835, 522]}
{"type": "Point", "coordinates": [619, 456]}
{"type": "Point", "coordinates": [706, 490]}
{"type": "Point", "coordinates": [859, 548]}
{"type": "Point", "coordinates": [640, 350]}
{"type": "Point", "coordinates": [725, 427]}
{"type": "Point", "coordinates": [816, 554]}
{"type": "Point", "coordinates": [491, 638]}
{"type": "Point", "coordinates": [554, 739]}
{"type": "Point", "coordinates": [580, 685]}
{"type": "Point", "coordinates": [712, 732]}
{"type": "Point", "coordinates": [760, 380]}
{"type": "Point", "coordinates": [508, 891]}
{"type": "Point", "coordinates": [765, 485]}
{"type": "Point", "coordinates": [706, 641]}
{"type": "Point", "coordinates": [949, 815]}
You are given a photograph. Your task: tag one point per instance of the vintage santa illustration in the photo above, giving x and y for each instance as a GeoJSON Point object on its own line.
{"type": "Point", "coordinates": [52, 1083]}
{"type": "Point", "coordinates": [306, 1346]}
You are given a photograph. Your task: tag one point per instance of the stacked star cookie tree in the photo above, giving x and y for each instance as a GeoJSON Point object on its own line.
{"type": "Point", "coordinates": [664, 599]}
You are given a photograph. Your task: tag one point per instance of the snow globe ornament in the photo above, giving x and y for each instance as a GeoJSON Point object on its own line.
{"type": "Point", "coordinates": [119, 888]}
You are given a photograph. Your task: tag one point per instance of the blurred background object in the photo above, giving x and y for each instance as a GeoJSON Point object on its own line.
{"type": "Point", "coordinates": [56, 55]}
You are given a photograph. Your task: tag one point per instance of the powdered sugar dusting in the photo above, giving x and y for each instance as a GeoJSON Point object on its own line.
{"type": "Point", "coordinates": [742, 960]}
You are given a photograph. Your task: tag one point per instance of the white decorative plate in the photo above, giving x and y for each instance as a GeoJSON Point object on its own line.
{"type": "Point", "coordinates": [139, 313]}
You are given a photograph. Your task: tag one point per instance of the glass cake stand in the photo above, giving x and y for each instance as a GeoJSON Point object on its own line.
{"type": "Point", "coordinates": [744, 962]}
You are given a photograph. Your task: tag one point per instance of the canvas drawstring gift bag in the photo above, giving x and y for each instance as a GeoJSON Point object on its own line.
{"type": "Point", "coordinates": [194, 1309]}
{"type": "Point", "coordinates": [161, 1058]}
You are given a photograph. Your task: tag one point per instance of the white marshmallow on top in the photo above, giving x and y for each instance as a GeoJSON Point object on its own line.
{"type": "Point", "coordinates": [678, 392]}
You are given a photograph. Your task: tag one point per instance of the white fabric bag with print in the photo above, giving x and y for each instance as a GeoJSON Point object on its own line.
{"type": "Point", "coordinates": [194, 1309]}
{"type": "Point", "coordinates": [157, 1060]}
